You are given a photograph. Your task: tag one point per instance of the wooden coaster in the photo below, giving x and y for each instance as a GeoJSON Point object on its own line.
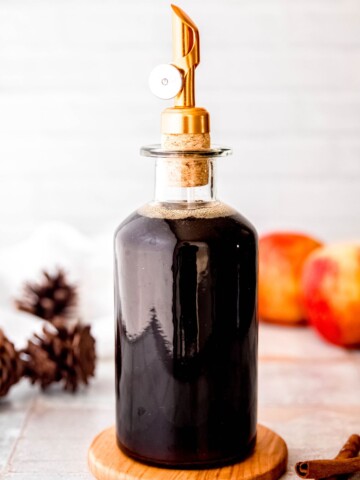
{"type": "Point", "coordinates": [268, 462]}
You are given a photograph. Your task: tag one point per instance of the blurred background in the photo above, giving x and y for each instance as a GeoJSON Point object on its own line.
{"type": "Point", "coordinates": [281, 79]}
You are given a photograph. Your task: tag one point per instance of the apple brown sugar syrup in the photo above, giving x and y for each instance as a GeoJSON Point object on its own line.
{"type": "Point", "coordinates": [185, 296]}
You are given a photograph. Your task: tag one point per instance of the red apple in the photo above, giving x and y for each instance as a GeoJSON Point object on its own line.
{"type": "Point", "coordinates": [281, 259]}
{"type": "Point", "coordinates": [331, 291]}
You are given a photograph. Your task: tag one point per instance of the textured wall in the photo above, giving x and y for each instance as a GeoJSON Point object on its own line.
{"type": "Point", "coordinates": [281, 79]}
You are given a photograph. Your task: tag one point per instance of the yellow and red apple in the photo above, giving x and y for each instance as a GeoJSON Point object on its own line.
{"type": "Point", "coordinates": [331, 293]}
{"type": "Point", "coordinates": [281, 259]}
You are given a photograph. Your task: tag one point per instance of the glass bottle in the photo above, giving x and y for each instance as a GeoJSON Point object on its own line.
{"type": "Point", "coordinates": [185, 297]}
{"type": "Point", "coordinates": [186, 325]}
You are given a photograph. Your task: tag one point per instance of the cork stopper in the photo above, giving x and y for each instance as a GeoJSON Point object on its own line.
{"type": "Point", "coordinates": [185, 141]}
{"type": "Point", "coordinates": [187, 172]}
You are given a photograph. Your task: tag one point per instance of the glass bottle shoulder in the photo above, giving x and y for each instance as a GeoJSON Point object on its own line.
{"type": "Point", "coordinates": [158, 223]}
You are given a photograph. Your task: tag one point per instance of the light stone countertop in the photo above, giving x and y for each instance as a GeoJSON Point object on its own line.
{"type": "Point", "coordinates": [309, 392]}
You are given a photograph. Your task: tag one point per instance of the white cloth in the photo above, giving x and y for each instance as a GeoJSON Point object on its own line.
{"type": "Point", "coordinates": [87, 261]}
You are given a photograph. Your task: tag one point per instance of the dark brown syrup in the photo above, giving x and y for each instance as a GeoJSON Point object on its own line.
{"type": "Point", "coordinates": [186, 339]}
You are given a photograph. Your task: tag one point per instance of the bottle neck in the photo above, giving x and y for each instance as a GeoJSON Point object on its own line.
{"type": "Point", "coordinates": [185, 182]}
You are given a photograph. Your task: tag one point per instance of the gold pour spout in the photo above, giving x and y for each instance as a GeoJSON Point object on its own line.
{"type": "Point", "coordinates": [185, 126]}
{"type": "Point", "coordinates": [186, 54]}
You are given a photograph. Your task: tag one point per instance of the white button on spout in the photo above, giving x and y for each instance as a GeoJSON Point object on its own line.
{"type": "Point", "coordinates": [165, 81]}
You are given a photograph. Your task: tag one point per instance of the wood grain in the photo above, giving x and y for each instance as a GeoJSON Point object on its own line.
{"type": "Point", "coordinates": [268, 462]}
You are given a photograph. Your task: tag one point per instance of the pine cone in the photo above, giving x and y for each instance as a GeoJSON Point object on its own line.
{"type": "Point", "coordinates": [38, 366]}
{"type": "Point", "coordinates": [10, 365]}
{"type": "Point", "coordinates": [50, 298]}
{"type": "Point", "coordinates": [63, 353]}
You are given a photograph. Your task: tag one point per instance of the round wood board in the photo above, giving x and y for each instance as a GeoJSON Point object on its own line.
{"type": "Point", "coordinates": [268, 462]}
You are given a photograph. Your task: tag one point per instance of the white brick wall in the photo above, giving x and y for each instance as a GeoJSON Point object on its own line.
{"type": "Point", "coordinates": [281, 79]}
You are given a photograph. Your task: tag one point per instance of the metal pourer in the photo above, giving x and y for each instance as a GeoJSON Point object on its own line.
{"type": "Point", "coordinates": [177, 80]}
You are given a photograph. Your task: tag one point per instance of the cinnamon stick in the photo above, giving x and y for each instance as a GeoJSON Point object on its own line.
{"type": "Point", "coordinates": [351, 448]}
{"type": "Point", "coordinates": [328, 469]}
